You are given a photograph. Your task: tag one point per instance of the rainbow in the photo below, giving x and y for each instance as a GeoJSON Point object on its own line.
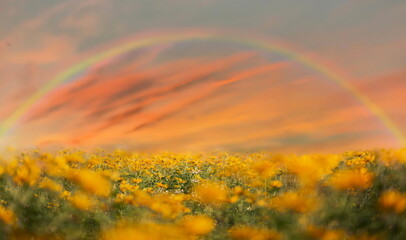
{"type": "Point", "coordinates": [255, 43]}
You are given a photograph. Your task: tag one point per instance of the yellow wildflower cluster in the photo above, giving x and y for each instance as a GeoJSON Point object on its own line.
{"type": "Point", "coordinates": [360, 159]}
{"type": "Point", "coordinates": [24, 171]}
{"type": "Point", "coordinates": [127, 195]}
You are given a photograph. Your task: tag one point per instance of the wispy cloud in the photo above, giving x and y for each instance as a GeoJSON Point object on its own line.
{"type": "Point", "coordinates": [203, 95]}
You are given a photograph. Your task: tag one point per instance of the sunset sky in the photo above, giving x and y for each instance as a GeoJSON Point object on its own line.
{"type": "Point", "coordinates": [284, 76]}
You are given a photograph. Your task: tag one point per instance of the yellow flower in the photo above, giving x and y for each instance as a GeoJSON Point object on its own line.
{"type": "Point", "coordinates": [28, 172]}
{"type": "Point", "coordinates": [393, 201]}
{"type": "Point", "coordinates": [136, 180]}
{"type": "Point", "coordinates": [359, 158]}
{"type": "Point", "coordinates": [311, 168]}
{"type": "Point", "coordinates": [112, 175]}
{"type": "Point", "coordinates": [65, 195]}
{"type": "Point", "coordinates": [393, 157]}
{"type": "Point", "coordinates": [161, 185]}
{"type": "Point", "coordinates": [51, 185]}
{"type": "Point", "coordinates": [352, 179]}
{"type": "Point", "coordinates": [150, 231]}
{"type": "Point", "coordinates": [234, 199]}
{"type": "Point", "coordinates": [198, 225]}
{"type": "Point", "coordinates": [7, 216]}
{"type": "Point", "coordinates": [260, 203]}
{"type": "Point", "coordinates": [74, 158]}
{"type": "Point", "coordinates": [211, 193]}
{"type": "Point", "coordinates": [238, 190]}
{"type": "Point", "coordinates": [91, 182]}
{"type": "Point", "coordinates": [81, 201]}
{"type": "Point", "coordinates": [168, 205]}
{"type": "Point", "coordinates": [2, 169]}
{"type": "Point", "coordinates": [250, 233]}
{"type": "Point", "coordinates": [276, 184]}
{"type": "Point", "coordinates": [294, 201]}
{"type": "Point", "coordinates": [326, 234]}
{"type": "Point", "coordinates": [265, 168]}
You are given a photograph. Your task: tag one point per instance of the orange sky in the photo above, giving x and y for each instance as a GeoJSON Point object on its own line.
{"type": "Point", "coordinates": [203, 96]}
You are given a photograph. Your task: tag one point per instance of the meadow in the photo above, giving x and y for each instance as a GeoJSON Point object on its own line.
{"type": "Point", "coordinates": [73, 194]}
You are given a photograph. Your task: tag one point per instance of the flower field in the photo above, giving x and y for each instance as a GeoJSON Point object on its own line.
{"type": "Point", "coordinates": [126, 195]}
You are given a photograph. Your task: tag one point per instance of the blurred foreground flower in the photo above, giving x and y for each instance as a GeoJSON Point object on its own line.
{"type": "Point", "coordinates": [51, 185]}
{"type": "Point", "coordinates": [211, 193]}
{"type": "Point", "coordinates": [198, 225]}
{"type": "Point", "coordinates": [326, 234]}
{"type": "Point", "coordinates": [81, 201]}
{"type": "Point", "coordinates": [91, 182]}
{"type": "Point", "coordinates": [250, 233]}
{"type": "Point", "coordinates": [154, 231]}
{"type": "Point", "coordinates": [294, 201]}
{"type": "Point", "coordinates": [393, 201]}
{"type": "Point", "coordinates": [7, 216]}
{"type": "Point", "coordinates": [351, 179]}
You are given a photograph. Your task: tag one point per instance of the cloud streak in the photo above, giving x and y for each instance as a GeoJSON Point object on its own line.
{"type": "Point", "coordinates": [203, 95]}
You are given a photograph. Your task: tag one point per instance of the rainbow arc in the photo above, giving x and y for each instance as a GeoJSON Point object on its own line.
{"type": "Point", "coordinates": [259, 44]}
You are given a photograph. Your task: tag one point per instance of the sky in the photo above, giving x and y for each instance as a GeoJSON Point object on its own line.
{"type": "Point", "coordinates": [214, 75]}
